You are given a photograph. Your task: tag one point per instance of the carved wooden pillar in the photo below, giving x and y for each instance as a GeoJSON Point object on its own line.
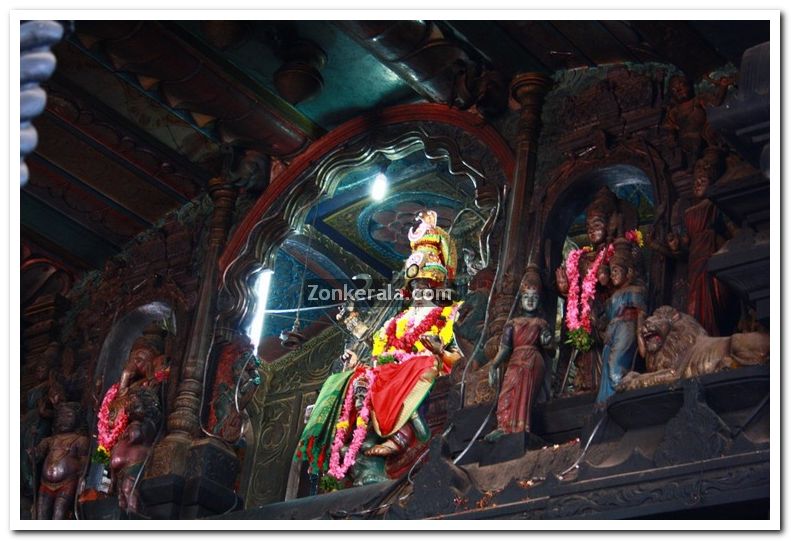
{"type": "Point", "coordinates": [185, 416]}
{"type": "Point", "coordinates": [528, 91]}
{"type": "Point", "coordinates": [163, 478]}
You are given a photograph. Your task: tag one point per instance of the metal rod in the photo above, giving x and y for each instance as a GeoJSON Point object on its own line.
{"type": "Point", "coordinates": [751, 418]}
{"type": "Point", "coordinates": [585, 450]}
{"type": "Point", "coordinates": [572, 359]}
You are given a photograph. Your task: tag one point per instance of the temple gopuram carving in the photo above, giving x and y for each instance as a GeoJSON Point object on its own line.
{"type": "Point", "coordinates": [398, 270]}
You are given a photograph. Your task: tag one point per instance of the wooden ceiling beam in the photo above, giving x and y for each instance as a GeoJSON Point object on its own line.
{"type": "Point", "coordinates": [495, 44]}
{"type": "Point", "coordinates": [108, 152]}
{"type": "Point", "coordinates": [674, 40]}
{"type": "Point", "coordinates": [58, 181]}
{"type": "Point", "coordinates": [89, 115]}
{"type": "Point", "coordinates": [62, 231]}
{"type": "Point", "coordinates": [193, 83]}
{"type": "Point", "coordinates": [64, 258]}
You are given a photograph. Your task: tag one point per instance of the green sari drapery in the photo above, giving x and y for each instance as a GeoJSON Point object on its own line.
{"type": "Point", "coordinates": [315, 443]}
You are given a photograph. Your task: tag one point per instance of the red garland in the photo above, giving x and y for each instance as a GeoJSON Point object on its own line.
{"type": "Point", "coordinates": [407, 342]}
{"type": "Point", "coordinates": [109, 431]}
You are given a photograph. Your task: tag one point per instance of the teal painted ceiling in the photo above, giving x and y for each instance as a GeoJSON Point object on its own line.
{"type": "Point", "coordinates": [354, 81]}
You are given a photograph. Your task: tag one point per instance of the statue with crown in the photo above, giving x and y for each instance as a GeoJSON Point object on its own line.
{"type": "Point", "coordinates": [374, 410]}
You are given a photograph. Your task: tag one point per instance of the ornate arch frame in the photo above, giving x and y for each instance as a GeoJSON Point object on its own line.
{"type": "Point", "coordinates": [570, 178]}
{"type": "Point", "coordinates": [472, 148]}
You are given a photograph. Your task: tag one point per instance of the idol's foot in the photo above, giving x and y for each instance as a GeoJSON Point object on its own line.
{"type": "Point", "coordinates": [386, 448]}
{"type": "Point", "coordinates": [494, 435]}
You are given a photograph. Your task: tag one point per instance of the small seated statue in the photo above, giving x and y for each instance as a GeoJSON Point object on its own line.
{"type": "Point", "coordinates": [522, 345]}
{"type": "Point", "coordinates": [65, 455]}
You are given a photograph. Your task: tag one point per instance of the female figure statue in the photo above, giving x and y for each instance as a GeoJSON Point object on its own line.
{"type": "Point", "coordinates": [624, 312]}
{"type": "Point", "coordinates": [385, 392]}
{"type": "Point", "coordinates": [522, 345]}
{"type": "Point", "coordinates": [704, 230]}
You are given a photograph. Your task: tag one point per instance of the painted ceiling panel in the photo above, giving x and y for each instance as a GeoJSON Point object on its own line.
{"type": "Point", "coordinates": [63, 232]}
{"type": "Point", "coordinates": [114, 180]}
{"type": "Point", "coordinates": [354, 81]}
{"type": "Point", "coordinates": [115, 154]}
{"type": "Point", "coordinates": [85, 206]}
{"type": "Point", "coordinates": [377, 230]}
{"type": "Point", "coordinates": [141, 110]}
{"type": "Point", "coordinates": [118, 136]}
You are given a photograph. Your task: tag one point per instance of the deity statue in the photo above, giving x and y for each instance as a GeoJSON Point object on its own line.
{"type": "Point", "coordinates": [235, 382]}
{"type": "Point", "coordinates": [686, 115]}
{"type": "Point", "coordinates": [432, 251]}
{"type": "Point", "coordinates": [582, 280]}
{"type": "Point", "coordinates": [146, 365]}
{"type": "Point", "coordinates": [523, 343]}
{"type": "Point", "coordinates": [704, 230]}
{"type": "Point", "coordinates": [624, 312]}
{"type": "Point", "coordinates": [145, 371]}
{"type": "Point", "coordinates": [384, 392]}
{"type": "Point", "coordinates": [38, 411]}
{"type": "Point", "coordinates": [65, 455]}
{"type": "Point", "coordinates": [472, 313]}
{"type": "Point", "coordinates": [131, 451]}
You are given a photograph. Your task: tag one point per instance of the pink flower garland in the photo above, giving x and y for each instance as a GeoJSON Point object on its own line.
{"type": "Point", "coordinates": [336, 469]}
{"type": "Point", "coordinates": [572, 304]}
{"type": "Point", "coordinates": [109, 432]}
{"type": "Point", "coordinates": [578, 308]}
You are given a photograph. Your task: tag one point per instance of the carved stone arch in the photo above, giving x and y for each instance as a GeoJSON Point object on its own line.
{"type": "Point", "coordinates": [472, 149]}
{"type": "Point", "coordinates": [571, 186]}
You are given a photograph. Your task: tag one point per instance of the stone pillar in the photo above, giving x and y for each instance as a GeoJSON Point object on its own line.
{"type": "Point", "coordinates": [527, 91]}
{"type": "Point", "coordinates": [163, 479]}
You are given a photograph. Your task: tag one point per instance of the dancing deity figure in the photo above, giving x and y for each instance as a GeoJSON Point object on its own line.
{"type": "Point", "coordinates": [624, 312]}
{"type": "Point", "coordinates": [522, 346]}
{"type": "Point", "coordinates": [384, 392]}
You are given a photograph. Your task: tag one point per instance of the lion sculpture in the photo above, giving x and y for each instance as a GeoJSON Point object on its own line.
{"type": "Point", "coordinates": [676, 346]}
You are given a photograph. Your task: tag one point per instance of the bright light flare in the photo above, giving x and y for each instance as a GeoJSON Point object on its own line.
{"type": "Point", "coordinates": [262, 295]}
{"type": "Point", "coordinates": [379, 187]}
